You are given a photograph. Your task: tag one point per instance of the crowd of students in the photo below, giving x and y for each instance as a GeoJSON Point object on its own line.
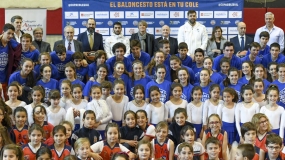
{"type": "Point", "coordinates": [161, 107]}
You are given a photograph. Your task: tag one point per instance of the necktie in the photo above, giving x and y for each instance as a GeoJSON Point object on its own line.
{"type": "Point", "coordinates": [69, 46]}
{"type": "Point", "coordinates": [91, 42]}
{"type": "Point", "coordinates": [242, 43]}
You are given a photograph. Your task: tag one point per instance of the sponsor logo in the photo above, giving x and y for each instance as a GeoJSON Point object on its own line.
{"type": "Point", "coordinates": [117, 14]}
{"type": "Point", "coordinates": [220, 14]}
{"type": "Point", "coordinates": [149, 22]}
{"type": "Point", "coordinates": [209, 30]}
{"type": "Point", "coordinates": [99, 23]}
{"type": "Point", "coordinates": [235, 14]}
{"type": "Point", "coordinates": [103, 31]}
{"type": "Point", "coordinates": [232, 30]}
{"type": "Point", "coordinates": [237, 21]}
{"type": "Point", "coordinates": [202, 22]}
{"type": "Point", "coordinates": [176, 14]}
{"type": "Point", "coordinates": [227, 4]}
{"type": "Point", "coordinates": [135, 23]}
{"type": "Point", "coordinates": [110, 23]}
{"type": "Point", "coordinates": [174, 22]}
{"type": "Point", "coordinates": [124, 22]}
{"type": "Point", "coordinates": [132, 14]}
{"type": "Point", "coordinates": [161, 14]}
{"type": "Point", "coordinates": [130, 31]}
{"type": "Point", "coordinates": [84, 23]}
{"type": "Point", "coordinates": [158, 31]}
{"type": "Point", "coordinates": [71, 23]}
{"type": "Point", "coordinates": [225, 30]}
{"type": "Point", "coordinates": [213, 22]}
{"type": "Point", "coordinates": [161, 23]}
{"type": "Point", "coordinates": [71, 15]}
{"type": "Point", "coordinates": [225, 22]}
{"type": "Point", "coordinates": [174, 30]}
{"type": "Point", "coordinates": [206, 14]}
{"type": "Point", "coordinates": [150, 30]}
{"type": "Point", "coordinates": [146, 14]}
{"type": "Point", "coordinates": [101, 15]}
{"type": "Point", "coordinates": [86, 15]}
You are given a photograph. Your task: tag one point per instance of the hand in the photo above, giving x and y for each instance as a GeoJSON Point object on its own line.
{"type": "Point", "coordinates": [92, 79]}
{"type": "Point", "coordinates": [131, 156]}
{"type": "Point", "coordinates": [175, 80]}
{"type": "Point", "coordinates": [84, 63]}
{"type": "Point", "coordinates": [97, 124]}
{"type": "Point", "coordinates": [32, 48]}
{"type": "Point", "coordinates": [95, 156]}
{"type": "Point", "coordinates": [241, 140]}
{"type": "Point", "coordinates": [242, 53]}
{"type": "Point", "coordinates": [132, 143]}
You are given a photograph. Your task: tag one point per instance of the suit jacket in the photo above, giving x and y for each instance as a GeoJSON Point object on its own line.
{"type": "Point", "coordinates": [173, 45]}
{"type": "Point", "coordinates": [149, 42]}
{"type": "Point", "coordinates": [237, 47]}
{"type": "Point", "coordinates": [97, 45]}
{"type": "Point", "coordinates": [212, 45]}
{"type": "Point", "coordinates": [77, 45]}
{"type": "Point", "coordinates": [45, 46]}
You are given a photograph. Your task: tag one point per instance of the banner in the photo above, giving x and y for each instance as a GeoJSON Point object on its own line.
{"type": "Point", "coordinates": [32, 18]}
{"type": "Point", "coordinates": [49, 4]}
{"type": "Point", "coordinates": [224, 13]}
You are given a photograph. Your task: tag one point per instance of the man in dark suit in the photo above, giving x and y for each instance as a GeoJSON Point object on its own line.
{"type": "Point", "coordinates": [146, 39]}
{"type": "Point", "coordinates": [69, 43]}
{"type": "Point", "coordinates": [241, 41]}
{"type": "Point", "coordinates": [165, 35]}
{"type": "Point", "coordinates": [38, 42]}
{"type": "Point", "coordinates": [91, 40]}
{"type": "Point", "coordinates": [16, 21]}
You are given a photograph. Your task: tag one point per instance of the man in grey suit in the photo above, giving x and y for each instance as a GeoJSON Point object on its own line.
{"type": "Point", "coordinates": [69, 43]}
{"type": "Point", "coordinates": [38, 42]}
{"type": "Point", "coordinates": [165, 35]}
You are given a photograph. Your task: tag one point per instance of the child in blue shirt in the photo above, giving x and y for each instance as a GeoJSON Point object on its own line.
{"type": "Point", "coordinates": [81, 72]}
{"type": "Point", "coordinates": [198, 64]}
{"type": "Point", "coordinates": [26, 42]}
{"type": "Point", "coordinates": [45, 58]}
{"type": "Point", "coordinates": [182, 54]}
{"type": "Point", "coordinates": [137, 54]}
{"type": "Point", "coordinates": [274, 55]}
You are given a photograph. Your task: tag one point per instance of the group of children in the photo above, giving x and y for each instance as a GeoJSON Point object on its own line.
{"type": "Point", "coordinates": [140, 108]}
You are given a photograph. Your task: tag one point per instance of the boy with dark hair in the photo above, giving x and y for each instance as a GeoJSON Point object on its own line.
{"type": "Point", "coordinates": [274, 146]}
{"type": "Point", "coordinates": [137, 53]}
{"type": "Point", "coordinates": [60, 57]}
{"type": "Point", "coordinates": [26, 42]}
{"type": "Point", "coordinates": [182, 54]}
{"type": "Point", "coordinates": [164, 46]}
{"type": "Point", "coordinates": [264, 48]}
{"type": "Point", "coordinates": [81, 72]}
{"type": "Point", "coordinates": [248, 136]}
{"type": "Point", "coordinates": [274, 55]}
{"type": "Point", "coordinates": [245, 152]}
{"type": "Point", "coordinates": [212, 146]}
{"type": "Point", "coordinates": [198, 64]}
{"type": "Point", "coordinates": [119, 50]}
{"type": "Point", "coordinates": [254, 48]}
{"type": "Point", "coordinates": [10, 52]}
{"type": "Point", "coordinates": [185, 151]}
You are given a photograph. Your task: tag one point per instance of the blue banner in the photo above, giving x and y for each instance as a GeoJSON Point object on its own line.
{"type": "Point", "coordinates": [224, 13]}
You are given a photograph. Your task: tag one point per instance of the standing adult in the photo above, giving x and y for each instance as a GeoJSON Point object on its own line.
{"type": "Point", "coordinates": [165, 36]}
{"type": "Point", "coordinates": [17, 23]}
{"type": "Point", "coordinates": [241, 41]}
{"type": "Point", "coordinates": [193, 33]}
{"type": "Point", "coordinates": [276, 33]}
{"type": "Point", "coordinates": [91, 40]}
{"type": "Point", "coordinates": [10, 56]}
{"type": "Point", "coordinates": [146, 39]}
{"type": "Point", "coordinates": [69, 43]}
{"type": "Point", "coordinates": [116, 36]}
{"type": "Point", "coordinates": [38, 42]}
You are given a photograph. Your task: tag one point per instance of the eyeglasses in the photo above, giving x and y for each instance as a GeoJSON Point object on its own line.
{"type": "Point", "coordinates": [214, 122]}
{"type": "Point", "coordinates": [262, 122]}
{"type": "Point", "coordinates": [38, 33]}
{"type": "Point", "coordinates": [274, 148]}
